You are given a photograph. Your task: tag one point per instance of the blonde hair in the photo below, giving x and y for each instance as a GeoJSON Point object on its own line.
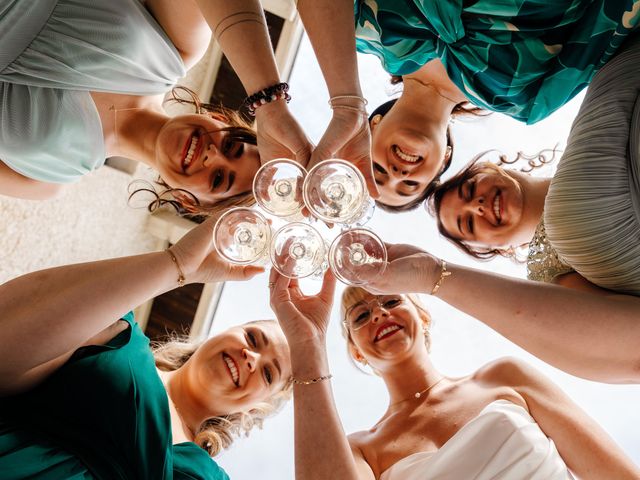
{"type": "Point", "coordinates": [218, 433]}
{"type": "Point", "coordinates": [353, 295]}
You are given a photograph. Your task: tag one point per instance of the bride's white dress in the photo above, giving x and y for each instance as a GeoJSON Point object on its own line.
{"type": "Point", "coordinates": [502, 442]}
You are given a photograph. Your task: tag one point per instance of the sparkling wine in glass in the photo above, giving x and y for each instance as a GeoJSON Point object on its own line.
{"type": "Point", "coordinates": [298, 250]}
{"type": "Point", "coordinates": [357, 256]}
{"type": "Point", "coordinates": [277, 188]}
{"type": "Point", "coordinates": [335, 192]}
{"type": "Point", "coordinates": [242, 236]}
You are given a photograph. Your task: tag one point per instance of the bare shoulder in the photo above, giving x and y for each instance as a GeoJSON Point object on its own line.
{"type": "Point", "coordinates": [517, 377]}
{"type": "Point", "coordinates": [507, 371]}
{"type": "Point", "coordinates": [357, 439]}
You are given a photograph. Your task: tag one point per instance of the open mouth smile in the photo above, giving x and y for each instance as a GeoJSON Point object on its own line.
{"type": "Point", "coordinates": [232, 368]}
{"type": "Point", "coordinates": [191, 150]}
{"type": "Point", "coordinates": [387, 330]}
{"type": "Point", "coordinates": [405, 157]}
{"type": "Point", "coordinates": [497, 207]}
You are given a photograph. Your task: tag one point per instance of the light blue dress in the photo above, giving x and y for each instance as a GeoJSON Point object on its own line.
{"type": "Point", "coordinates": [523, 58]}
{"type": "Point", "coordinates": [52, 54]}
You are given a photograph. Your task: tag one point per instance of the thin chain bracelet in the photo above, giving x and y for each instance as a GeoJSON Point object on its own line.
{"type": "Point", "coordinates": [444, 273]}
{"type": "Point", "coordinates": [348, 97]}
{"type": "Point", "coordinates": [181, 277]}
{"type": "Point", "coordinates": [312, 381]}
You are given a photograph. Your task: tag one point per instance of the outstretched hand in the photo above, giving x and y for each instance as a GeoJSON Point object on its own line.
{"type": "Point", "coordinates": [280, 135]}
{"type": "Point", "coordinates": [409, 270]}
{"type": "Point", "coordinates": [348, 137]}
{"type": "Point", "coordinates": [200, 262]}
{"type": "Point", "coordinates": [303, 318]}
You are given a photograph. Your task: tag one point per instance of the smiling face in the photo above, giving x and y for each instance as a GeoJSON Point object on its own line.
{"type": "Point", "coordinates": [240, 367]}
{"type": "Point", "coordinates": [194, 153]}
{"type": "Point", "coordinates": [486, 209]}
{"type": "Point", "coordinates": [408, 154]}
{"type": "Point", "coordinates": [384, 329]}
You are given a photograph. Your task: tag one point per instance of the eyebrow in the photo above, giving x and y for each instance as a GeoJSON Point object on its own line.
{"type": "Point", "coordinates": [459, 219]}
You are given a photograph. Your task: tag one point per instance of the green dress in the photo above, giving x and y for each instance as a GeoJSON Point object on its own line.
{"type": "Point", "coordinates": [105, 415]}
{"type": "Point", "coordinates": [523, 58]}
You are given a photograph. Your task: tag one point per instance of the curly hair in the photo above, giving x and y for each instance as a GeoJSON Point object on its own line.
{"type": "Point", "coordinates": [473, 168]}
{"type": "Point", "coordinates": [218, 433]}
{"type": "Point", "coordinates": [352, 295]}
{"type": "Point", "coordinates": [183, 201]}
{"type": "Point", "coordinates": [464, 108]}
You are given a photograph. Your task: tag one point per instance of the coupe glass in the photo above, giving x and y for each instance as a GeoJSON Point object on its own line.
{"type": "Point", "coordinates": [277, 188]}
{"type": "Point", "coordinates": [242, 236]}
{"type": "Point", "coordinates": [357, 256]}
{"type": "Point", "coordinates": [298, 250]}
{"type": "Point", "coordinates": [335, 192]}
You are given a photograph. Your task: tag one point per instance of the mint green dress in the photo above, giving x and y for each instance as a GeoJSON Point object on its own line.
{"type": "Point", "coordinates": [103, 415]}
{"type": "Point", "coordinates": [53, 53]}
{"type": "Point", "coordinates": [523, 58]}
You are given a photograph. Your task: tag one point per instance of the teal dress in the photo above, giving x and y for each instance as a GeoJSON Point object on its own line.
{"type": "Point", "coordinates": [53, 53]}
{"type": "Point", "coordinates": [523, 58]}
{"type": "Point", "coordinates": [103, 415]}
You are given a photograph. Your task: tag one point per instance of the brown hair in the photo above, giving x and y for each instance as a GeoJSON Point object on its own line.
{"type": "Point", "coordinates": [352, 295]}
{"type": "Point", "coordinates": [464, 108]}
{"type": "Point", "coordinates": [473, 168]}
{"type": "Point", "coordinates": [218, 433]}
{"type": "Point", "coordinates": [183, 201]}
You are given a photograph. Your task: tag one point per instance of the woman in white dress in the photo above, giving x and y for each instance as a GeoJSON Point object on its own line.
{"type": "Point", "coordinates": [503, 421]}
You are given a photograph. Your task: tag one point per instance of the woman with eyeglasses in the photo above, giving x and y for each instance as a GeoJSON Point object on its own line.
{"type": "Point", "coordinates": [503, 421]}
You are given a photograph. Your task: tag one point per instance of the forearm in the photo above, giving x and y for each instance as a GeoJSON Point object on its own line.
{"type": "Point", "coordinates": [51, 312]}
{"type": "Point", "coordinates": [13, 184]}
{"type": "Point", "coordinates": [584, 445]}
{"type": "Point", "coordinates": [240, 28]}
{"type": "Point", "coordinates": [321, 447]}
{"type": "Point", "coordinates": [330, 25]}
{"type": "Point", "coordinates": [588, 335]}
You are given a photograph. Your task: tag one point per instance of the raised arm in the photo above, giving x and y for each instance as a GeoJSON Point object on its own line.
{"type": "Point", "coordinates": [48, 314]}
{"type": "Point", "coordinates": [588, 335]}
{"type": "Point", "coordinates": [321, 447]}
{"type": "Point", "coordinates": [585, 447]}
{"type": "Point", "coordinates": [330, 25]}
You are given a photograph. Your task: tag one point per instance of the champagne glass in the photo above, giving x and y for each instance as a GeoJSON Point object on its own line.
{"type": "Point", "coordinates": [242, 236]}
{"type": "Point", "coordinates": [298, 250]}
{"type": "Point", "coordinates": [277, 188]}
{"type": "Point", "coordinates": [357, 256]}
{"type": "Point", "coordinates": [335, 192]}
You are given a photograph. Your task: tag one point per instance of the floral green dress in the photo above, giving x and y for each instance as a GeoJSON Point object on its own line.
{"type": "Point", "coordinates": [523, 58]}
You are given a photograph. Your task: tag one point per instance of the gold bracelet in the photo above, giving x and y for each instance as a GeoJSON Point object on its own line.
{"type": "Point", "coordinates": [347, 97]}
{"type": "Point", "coordinates": [181, 278]}
{"type": "Point", "coordinates": [312, 381]}
{"type": "Point", "coordinates": [444, 273]}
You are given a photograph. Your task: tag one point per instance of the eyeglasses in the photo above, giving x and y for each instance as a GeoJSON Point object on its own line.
{"type": "Point", "coordinates": [358, 315]}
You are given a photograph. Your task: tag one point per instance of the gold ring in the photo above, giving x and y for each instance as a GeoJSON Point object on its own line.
{"type": "Point", "coordinates": [271, 285]}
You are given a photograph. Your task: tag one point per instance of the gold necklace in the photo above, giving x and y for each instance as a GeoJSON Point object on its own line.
{"type": "Point", "coordinates": [436, 89]}
{"type": "Point", "coordinates": [420, 393]}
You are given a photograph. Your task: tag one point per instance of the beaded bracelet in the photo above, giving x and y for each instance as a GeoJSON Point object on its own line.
{"type": "Point", "coordinates": [267, 95]}
{"type": "Point", "coordinates": [312, 381]}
